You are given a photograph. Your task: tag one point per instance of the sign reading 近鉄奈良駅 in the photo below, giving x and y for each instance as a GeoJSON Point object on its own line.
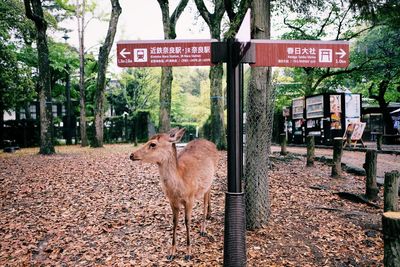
{"type": "Point", "coordinates": [164, 53]}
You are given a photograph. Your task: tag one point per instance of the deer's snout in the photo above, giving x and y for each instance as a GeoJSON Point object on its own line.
{"type": "Point", "coordinates": [132, 157]}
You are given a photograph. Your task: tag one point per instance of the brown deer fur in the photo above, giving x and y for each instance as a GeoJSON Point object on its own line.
{"type": "Point", "coordinates": [184, 177]}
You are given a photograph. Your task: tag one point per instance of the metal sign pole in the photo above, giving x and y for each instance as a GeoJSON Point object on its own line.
{"type": "Point", "coordinates": [235, 221]}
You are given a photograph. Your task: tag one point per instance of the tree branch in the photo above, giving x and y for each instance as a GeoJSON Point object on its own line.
{"type": "Point", "coordinates": [328, 73]}
{"type": "Point", "coordinates": [237, 20]}
{"type": "Point", "coordinates": [177, 13]}
{"type": "Point", "coordinates": [299, 29]}
{"type": "Point", "coordinates": [205, 14]}
{"type": "Point", "coordinates": [229, 9]}
{"type": "Point", "coordinates": [321, 30]}
{"type": "Point", "coordinates": [341, 23]}
{"type": "Point", "coordinates": [37, 19]}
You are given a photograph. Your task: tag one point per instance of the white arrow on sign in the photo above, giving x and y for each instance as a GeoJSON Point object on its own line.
{"type": "Point", "coordinates": [123, 53]}
{"type": "Point", "coordinates": [342, 53]}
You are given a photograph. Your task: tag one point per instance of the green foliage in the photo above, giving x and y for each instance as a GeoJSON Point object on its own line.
{"type": "Point", "coordinates": [191, 95]}
{"type": "Point", "coordinates": [137, 89]}
{"type": "Point", "coordinates": [16, 87]}
{"type": "Point", "coordinates": [379, 55]}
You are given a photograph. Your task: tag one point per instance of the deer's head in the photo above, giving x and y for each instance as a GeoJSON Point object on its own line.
{"type": "Point", "coordinates": [159, 148]}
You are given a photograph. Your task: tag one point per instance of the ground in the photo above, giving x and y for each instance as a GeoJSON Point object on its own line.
{"type": "Point", "coordinates": [95, 207]}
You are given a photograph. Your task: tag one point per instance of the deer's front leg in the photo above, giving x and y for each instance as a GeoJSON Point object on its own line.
{"type": "Point", "coordinates": [175, 216]}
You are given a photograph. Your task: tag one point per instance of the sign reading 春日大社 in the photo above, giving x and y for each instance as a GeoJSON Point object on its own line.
{"type": "Point", "coordinates": [164, 53]}
{"type": "Point", "coordinates": [299, 53]}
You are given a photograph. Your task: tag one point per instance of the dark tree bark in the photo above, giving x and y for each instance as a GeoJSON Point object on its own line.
{"type": "Point", "coordinates": [383, 105]}
{"type": "Point", "coordinates": [34, 12]}
{"type": "Point", "coordinates": [165, 99]}
{"type": "Point", "coordinates": [101, 74]}
{"type": "Point", "coordinates": [391, 191]}
{"type": "Point", "coordinates": [257, 127]}
{"type": "Point", "coordinates": [310, 150]}
{"type": "Point", "coordinates": [379, 138]}
{"type": "Point", "coordinates": [391, 238]}
{"type": "Point", "coordinates": [169, 24]}
{"type": "Point", "coordinates": [213, 21]}
{"type": "Point", "coordinates": [80, 14]}
{"type": "Point", "coordinates": [371, 188]}
{"type": "Point", "coordinates": [337, 157]}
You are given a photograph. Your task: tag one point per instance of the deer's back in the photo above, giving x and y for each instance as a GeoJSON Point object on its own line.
{"type": "Point", "coordinates": [197, 163]}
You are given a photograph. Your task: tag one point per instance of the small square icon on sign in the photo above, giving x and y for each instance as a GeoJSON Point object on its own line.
{"type": "Point", "coordinates": [140, 55]}
{"type": "Point", "coordinates": [325, 55]}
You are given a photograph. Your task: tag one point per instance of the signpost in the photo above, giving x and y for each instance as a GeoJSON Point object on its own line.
{"type": "Point", "coordinates": [259, 53]}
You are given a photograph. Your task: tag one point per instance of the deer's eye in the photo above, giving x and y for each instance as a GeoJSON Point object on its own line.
{"type": "Point", "coordinates": [152, 145]}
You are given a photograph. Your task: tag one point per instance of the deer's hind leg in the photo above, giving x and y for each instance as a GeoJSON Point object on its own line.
{"type": "Point", "coordinates": [206, 213]}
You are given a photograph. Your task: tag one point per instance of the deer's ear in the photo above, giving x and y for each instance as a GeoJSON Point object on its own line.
{"type": "Point", "coordinates": [173, 131]}
{"type": "Point", "coordinates": [177, 136]}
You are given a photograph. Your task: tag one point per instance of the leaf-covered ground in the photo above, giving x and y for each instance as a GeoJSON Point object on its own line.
{"type": "Point", "coordinates": [95, 207]}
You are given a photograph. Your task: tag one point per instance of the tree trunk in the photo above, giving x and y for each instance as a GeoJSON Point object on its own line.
{"type": "Point", "coordinates": [81, 34]}
{"type": "Point", "coordinates": [337, 157]}
{"type": "Point", "coordinates": [257, 146]}
{"type": "Point", "coordinates": [391, 191]}
{"type": "Point", "coordinates": [101, 74]}
{"type": "Point", "coordinates": [391, 238]}
{"type": "Point", "coordinates": [169, 24]}
{"type": "Point", "coordinates": [165, 100]}
{"type": "Point", "coordinates": [218, 135]}
{"type": "Point", "coordinates": [34, 11]}
{"type": "Point", "coordinates": [217, 126]}
{"type": "Point", "coordinates": [310, 150]}
{"type": "Point", "coordinates": [370, 170]}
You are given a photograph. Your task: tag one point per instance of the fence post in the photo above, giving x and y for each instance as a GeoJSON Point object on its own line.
{"type": "Point", "coordinates": [337, 157]}
{"type": "Point", "coordinates": [391, 191]}
{"type": "Point", "coordinates": [391, 238]}
{"type": "Point", "coordinates": [310, 150]}
{"type": "Point", "coordinates": [370, 170]}
{"type": "Point", "coordinates": [283, 144]}
{"type": "Point", "coordinates": [379, 139]}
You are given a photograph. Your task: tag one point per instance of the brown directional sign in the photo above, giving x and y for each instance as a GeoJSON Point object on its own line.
{"type": "Point", "coordinates": [164, 53]}
{"type": "Point", "coordinates": [298, 53]}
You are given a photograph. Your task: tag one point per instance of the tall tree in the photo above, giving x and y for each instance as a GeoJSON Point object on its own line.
{"type": "Point", "coordinates": [259, 125]}
{"type": "Point", "coordinates": [101, 73]}
{"type": "Point", "coordinates": [379, 78]}
{"type": "Point", "coordinates": [213, 21]}
{"type": "Point", "coordinates": [169, 24]}
{"type": "Point", "coordinates": [80, 17]}
{"type": "Point", "coordinates": [34, 11]}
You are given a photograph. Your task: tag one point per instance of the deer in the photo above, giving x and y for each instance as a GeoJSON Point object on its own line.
{"type": "Point", "coordinates": [185, 177]}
